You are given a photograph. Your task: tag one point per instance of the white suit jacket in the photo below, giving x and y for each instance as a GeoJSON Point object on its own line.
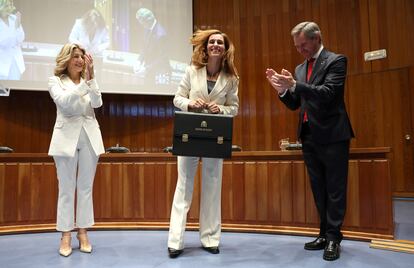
{"type": "Point", "coordinates": [80, 36]}
{"type": "Point", "coordinates": [10, 51]}
{"type": "Point", "coordinates": [194, 85]}
{"type": "Point", "coordinates": [74, 104]}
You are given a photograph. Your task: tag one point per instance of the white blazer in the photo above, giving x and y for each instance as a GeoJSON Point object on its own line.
{"type": "Point", "coordinates": [74, 105]}
{"type": "Point", "coordinates": [80, 36]}
{"type": "Point", "coordinates": [194, 86]}
{"type": "Point", "coordinates": [10, 51]}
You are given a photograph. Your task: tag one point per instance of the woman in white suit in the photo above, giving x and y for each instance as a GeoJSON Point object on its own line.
{"type": "Point", "coordinates": [91, 32]}
{"type": "Point", "coordinates": [76, 142]}
{"type": "Point", "coordinates": [210, 85]}
{"type": "Point", "coordinates": [11, 37]}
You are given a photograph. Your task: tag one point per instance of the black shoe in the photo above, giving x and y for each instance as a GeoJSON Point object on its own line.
{"type": "Point", "coordinates": [174, 253]}
{"type": "Point", "coordinates": [332, 251]}
{"type": "Point", "coordinates": [212, 250]}
{"type": "Point", "coordinates": [317, 244]}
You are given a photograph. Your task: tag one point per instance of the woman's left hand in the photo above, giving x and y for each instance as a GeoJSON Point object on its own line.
{"type": "Point", "coordinates": [89, 67]}
{"type": "Point", "coordinates": [213, 108]}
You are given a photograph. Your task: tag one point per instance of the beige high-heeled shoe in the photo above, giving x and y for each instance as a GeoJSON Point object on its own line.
{"type": "Point", "coordinates": [84, 245]}
{"type": "Point", "coordinates": [65, 248]}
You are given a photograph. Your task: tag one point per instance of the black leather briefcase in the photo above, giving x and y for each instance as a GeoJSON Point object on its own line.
{"type": "Point", "coordinates": [203, 135]}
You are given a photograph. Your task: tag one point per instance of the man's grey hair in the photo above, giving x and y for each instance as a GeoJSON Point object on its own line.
{"type": "Point", "coordinates": [144, 14]}
{"type": "Point", "coordinates": [309, 28]}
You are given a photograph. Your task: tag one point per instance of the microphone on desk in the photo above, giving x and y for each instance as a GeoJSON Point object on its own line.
{"type": "Point", "coordinates": [5, 149]}
{"type": "Point", "coordinates": [117, 149]}
{"type": "Point", "coordinates": [4, 91]}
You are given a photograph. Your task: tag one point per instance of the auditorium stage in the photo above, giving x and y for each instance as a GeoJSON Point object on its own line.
{"type": "Point", "coordinates": [149, 249]}
{"type": "Point", "coordinates": [135, 248]}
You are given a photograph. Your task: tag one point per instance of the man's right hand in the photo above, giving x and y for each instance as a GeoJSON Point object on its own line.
{"type": "Point", "coordinates": [271, 77]}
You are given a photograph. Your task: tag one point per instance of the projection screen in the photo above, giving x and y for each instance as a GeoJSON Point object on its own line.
{"type": "Point", "coordinates": [138, 46]}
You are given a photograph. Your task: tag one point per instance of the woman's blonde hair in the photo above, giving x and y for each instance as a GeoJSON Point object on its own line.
{"type": "Point", "coordinates": [63, 58]}
{"type": "Point", "coordinates": [7, 4]}
{"type": "Point", "coordinates": [200, 55]}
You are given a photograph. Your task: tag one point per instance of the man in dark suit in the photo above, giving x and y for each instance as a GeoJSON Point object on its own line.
{"type": "Point", "coordinates": [153, 60]}
{"type": "Point", "coordinates": [324, 129]}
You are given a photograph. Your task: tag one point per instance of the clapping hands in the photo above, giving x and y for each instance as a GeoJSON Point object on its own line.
{"type": "Point", "coordinates": [89, 67]}
{"type": "Point", "coordinates": [280, 81]}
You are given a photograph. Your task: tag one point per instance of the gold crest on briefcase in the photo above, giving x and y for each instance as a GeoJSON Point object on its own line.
{"type": "Point", "coordinates": [203, 127]}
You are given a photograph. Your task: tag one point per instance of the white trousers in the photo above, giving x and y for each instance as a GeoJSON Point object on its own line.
{"type": "Point", "coordinates": [76, 173]}
{"type": "Point", "coordinates": [210, 203]}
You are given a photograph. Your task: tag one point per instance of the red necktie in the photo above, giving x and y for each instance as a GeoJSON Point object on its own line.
{"type": "Point", "coordinates": [308, 75]}
{"type": "Point", "coordinates": [310, 68]}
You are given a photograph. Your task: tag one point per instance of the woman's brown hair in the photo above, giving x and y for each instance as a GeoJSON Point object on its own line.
{"type": "Point", "coordinates": [200, 56]}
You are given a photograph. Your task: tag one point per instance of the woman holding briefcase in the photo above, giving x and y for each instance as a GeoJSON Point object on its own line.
{"type": "Point", "coordinates": [210, 85]}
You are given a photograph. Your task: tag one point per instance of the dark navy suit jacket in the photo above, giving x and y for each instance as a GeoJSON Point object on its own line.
{"type": "Point", "coordinates": [323, 98]}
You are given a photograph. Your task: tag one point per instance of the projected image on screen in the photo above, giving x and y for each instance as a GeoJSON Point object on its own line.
{"type": "Point", "coordinates": [138, 46]}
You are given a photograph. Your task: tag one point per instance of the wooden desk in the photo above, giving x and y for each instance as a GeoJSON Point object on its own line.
{"type": "Point", "coordinates": [262, 192]}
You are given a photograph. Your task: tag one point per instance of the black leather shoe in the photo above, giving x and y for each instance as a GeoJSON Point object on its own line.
{"type": "Point", "coordinates": [174, 253]}
{"type": "Point", "coordinates": [317, 244]}
{"type": "Point", "coordinates": [332, 251]}
{"type": "Point", "coordinates": [212, 250]}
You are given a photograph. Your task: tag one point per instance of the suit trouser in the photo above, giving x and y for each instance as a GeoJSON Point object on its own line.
{"type": "Point", "coordinates": [76, 173]}
{"type": "Point", "coordinates": [327, 166]}
{"type": "Point", "coordinates": [210, 203]}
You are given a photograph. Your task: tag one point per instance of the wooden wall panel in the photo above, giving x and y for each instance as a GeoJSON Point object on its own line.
{"type": "Point", "coordinates": [23, 192]}
{"type": "Point", "coordinates": [274, 199]}
{"type": "Point", "coordinates": [162, 203]}
{"type": "Point", "coordinates": [259, 191]}
{"type": "Point", "coordinates": [28, 192]}
{"type": "Point", "coordinates": [115, 186]}
{"type": "Point", "coordinates": [141, 123]}
{"type": "Point", "coordinates": [35, 179]}
{"type": "Point", "coordinates": [2, 190]}
{"type": "Point", "coordinates": [380, 168]}
{"type": "Point", "coordinates": [132, 190]}
{"type": "Point", "coordinates": [262, 181]}
{"type": "Point", "coordinates": [367, 209]}
{"type": "Point", "coordinates": [10, 211]}
{"type": "Point", "coordinates": [299, 193]}
{"type": "Point", "coordinates": [250, 191]}
{"type": "Point", "coordinates": [352, 219]}
{"type": "Point", "coordinates": [239, 210]}
{"type": "Point", "coordinates": [48, 192]}
{"type": "Point", "coordinates": [260, 31]}
{"type": "Point", "coordinates": [150, 201]}
{"type": "Point", "coordinates": [286, 205]}
{"type": "Point", "coordinates": [391, 25]}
